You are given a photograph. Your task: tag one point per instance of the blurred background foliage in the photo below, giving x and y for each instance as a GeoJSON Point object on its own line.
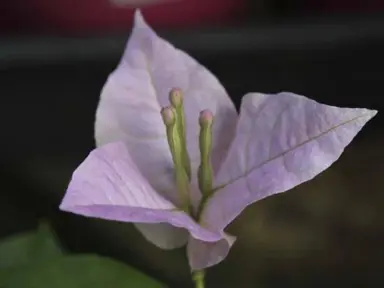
{"type": "Point", "coordinates": [55, 57]}
{"type": "Point", "coordinates": [35, 259]}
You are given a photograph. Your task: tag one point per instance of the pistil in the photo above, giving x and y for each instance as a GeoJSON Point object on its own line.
{"type": "Point", "coordinates": [176, 100]}
{"type": "Point", "coordinates": [205, 173]}
{"type": "Point", "coordinates": [170, 120]}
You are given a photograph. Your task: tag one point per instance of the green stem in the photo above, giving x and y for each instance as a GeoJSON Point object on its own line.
{"type": "Point", "coordinates": [198, 278]}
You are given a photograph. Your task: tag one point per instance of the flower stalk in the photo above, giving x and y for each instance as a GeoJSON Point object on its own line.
{"type": "Point", "coordinates": [198, 278]}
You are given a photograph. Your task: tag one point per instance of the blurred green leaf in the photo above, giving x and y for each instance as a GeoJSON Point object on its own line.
{"type": "Point", "coordinates": [80, 272]}
{"type": "Point", "coordinates": [35, 260]}
{"type": "Point", "coordinates": [28, 247]}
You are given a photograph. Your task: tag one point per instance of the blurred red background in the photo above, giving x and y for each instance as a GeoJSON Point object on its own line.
{"type": "Point", "coordinates": [79, 16]}
{"type": "Point", "coordinates": [91, 16]}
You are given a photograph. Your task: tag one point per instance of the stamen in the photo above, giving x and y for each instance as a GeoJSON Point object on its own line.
{"type": "Point", "coordinates": [170, 120]}
{"type": "Point", "coordinates": [168, 115]}
{"type": "Point", "coordinates": [176, 99]}
{"type": "Point", "coordinates": [205, 173]}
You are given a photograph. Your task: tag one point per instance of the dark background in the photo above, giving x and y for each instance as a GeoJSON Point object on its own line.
{"type": "Point", "coordinates": [328, 231]}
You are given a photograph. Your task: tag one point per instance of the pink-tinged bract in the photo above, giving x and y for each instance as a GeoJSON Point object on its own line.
{"type": "Point", "coordinates": [129, 109]}
{"type": "Point", "coordinates": [281, 141]}
{"type": "Point", "coordinates": [109, 185]}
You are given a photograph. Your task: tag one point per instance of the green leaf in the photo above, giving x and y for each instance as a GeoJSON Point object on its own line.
{"type": "Point", "coordinates": [81, 272]}
{"type": "Point", "coordinates": [28, 247]}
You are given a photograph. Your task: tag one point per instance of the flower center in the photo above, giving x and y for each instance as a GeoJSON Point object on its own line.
{"type": "Point", "coordinates": [174, 120]}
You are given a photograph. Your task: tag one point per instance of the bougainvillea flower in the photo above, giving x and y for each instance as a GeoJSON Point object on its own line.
{"type": "Point", "coordinates": [184, 172]}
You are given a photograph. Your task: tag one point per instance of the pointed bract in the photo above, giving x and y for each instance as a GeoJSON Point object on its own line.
{"type": "Point", "coordinates": [109, 185]}
{"type": "Point", "coordinates": [281, 141]}
{"type": "Point", "coordinates": [202, 254]}
{"type": "Point", "coordinates": [135, 92]}
{"type": "Point", "coordinates": [130, 103]}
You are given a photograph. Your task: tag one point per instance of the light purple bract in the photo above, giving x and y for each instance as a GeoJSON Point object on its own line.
{"type": "Point", "coordinates": [278, 142]}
